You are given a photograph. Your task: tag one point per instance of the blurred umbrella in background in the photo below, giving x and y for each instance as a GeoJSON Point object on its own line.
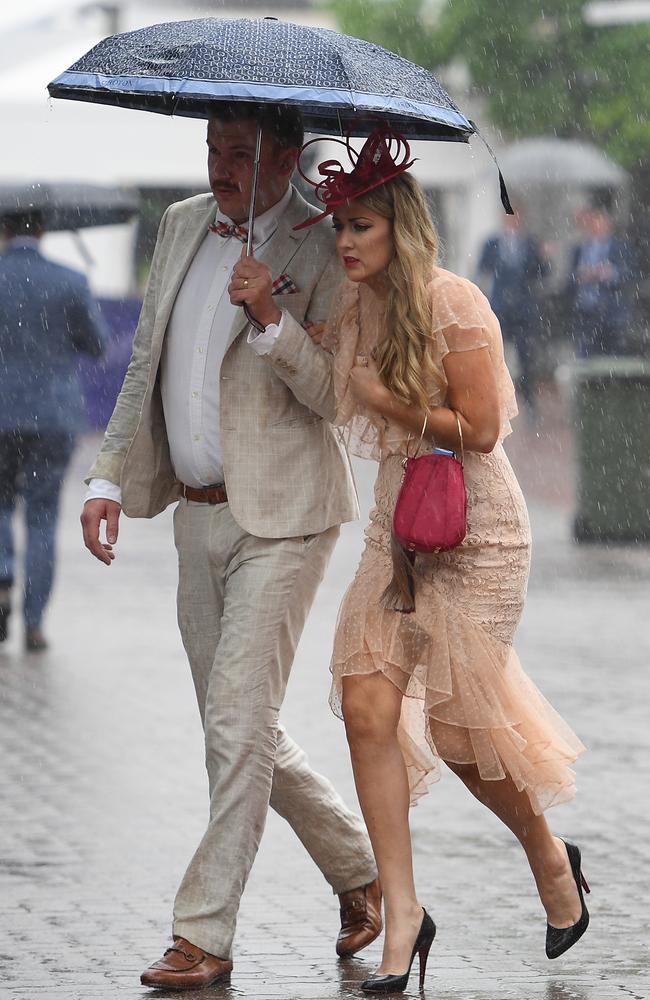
{"type": "Point", "coordinates": [69, 205]}
{"type": "Point", "coordinates": [554, 178]}
{"type": "Point", "coordinates": [549, 160]}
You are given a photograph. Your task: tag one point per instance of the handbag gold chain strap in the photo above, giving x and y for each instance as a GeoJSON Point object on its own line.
{"type": "Point", "coordinates": [408, 441]}
{"type": "Point", "coordinates": [460, 437]}
{"type": "Point", "coordinates": [424, 427]}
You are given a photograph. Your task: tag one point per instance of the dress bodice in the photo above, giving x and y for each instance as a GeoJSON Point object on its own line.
{"type": "Point", "coordinates": [462, 320]}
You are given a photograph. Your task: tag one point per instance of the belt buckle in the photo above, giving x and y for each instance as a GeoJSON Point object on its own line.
{"type": "Point", "coordinates": [214, 490]}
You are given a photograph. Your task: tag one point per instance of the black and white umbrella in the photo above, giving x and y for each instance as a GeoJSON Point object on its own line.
{"type": "Point", "coordinates": [342, 85]}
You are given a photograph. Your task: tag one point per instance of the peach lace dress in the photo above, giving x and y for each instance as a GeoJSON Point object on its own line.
{"type": "Point", "coordinates": [467, 699]}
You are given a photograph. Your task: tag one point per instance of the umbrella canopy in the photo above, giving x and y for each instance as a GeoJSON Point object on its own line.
{"type": "Point", "coordinates": [69, 206]}
{"type": "Point", "coordinates": [340, 83]}
{"type": "Point", "coordinates": [552, 161]}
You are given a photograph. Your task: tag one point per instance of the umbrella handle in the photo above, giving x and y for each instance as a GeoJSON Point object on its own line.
{"type": "Point", "coordinates": [251, 218]}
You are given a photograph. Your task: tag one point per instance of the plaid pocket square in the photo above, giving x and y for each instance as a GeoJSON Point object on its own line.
{"type": "Point", "coordinates": [284, 285]}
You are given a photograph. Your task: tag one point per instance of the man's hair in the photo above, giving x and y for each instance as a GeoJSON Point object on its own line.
{"type": "Point", "coordinates": [22, 224]}
{"type": "Point", "coordinates": [282, 122]}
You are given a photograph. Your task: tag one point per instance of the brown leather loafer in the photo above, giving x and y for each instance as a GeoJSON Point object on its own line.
{"type": "Point", "coordinates": [186, 967]}
{"type": "Point", "coordinates": [360, 919]}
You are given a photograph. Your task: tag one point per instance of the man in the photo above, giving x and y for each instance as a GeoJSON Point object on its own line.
{"type": "Point", "coordinates": [47, 319]}
{"type": "Point", "coordinates": [234, 424]}
{"type": "Point", "coordinates": [515, 263]}
{"type": "Point", "coordinates": [597, 285]}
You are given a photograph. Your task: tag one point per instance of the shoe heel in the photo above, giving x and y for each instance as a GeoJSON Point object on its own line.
{"type": "Point", "coordinates": [585, 884]}
{"type": "Point", "coordinates": [423, 955]}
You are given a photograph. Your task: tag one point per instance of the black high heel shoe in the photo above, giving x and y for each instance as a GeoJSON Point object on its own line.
{"type": "Point", "coordinates": [560, 939]}
{"type": "Point", "coordinates": [422, 947]}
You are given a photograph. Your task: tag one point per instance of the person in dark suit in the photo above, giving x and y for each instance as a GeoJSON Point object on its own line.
{"type": "Point", "coordinates": [515, 263]}
{"type": "Point", "coordinates": [47, 318]}
{"type": "Point", "coordinates": [599, 273]}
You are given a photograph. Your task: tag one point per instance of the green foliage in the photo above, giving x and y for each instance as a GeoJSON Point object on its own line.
{"type": "Point", "coordinates": [541, 68]}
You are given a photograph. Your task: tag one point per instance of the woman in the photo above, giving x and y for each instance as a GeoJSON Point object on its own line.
{"type": "Point", "coordinates": [417, 346]}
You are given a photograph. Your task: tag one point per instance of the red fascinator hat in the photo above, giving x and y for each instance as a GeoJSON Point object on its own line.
{"type": "Point", "coordinates": [384, 155]}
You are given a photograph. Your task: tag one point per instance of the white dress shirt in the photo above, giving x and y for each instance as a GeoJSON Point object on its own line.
{"type": "Point", "coordinates": [195, 343]}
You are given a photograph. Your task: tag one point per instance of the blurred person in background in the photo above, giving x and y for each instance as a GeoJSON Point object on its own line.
{"type": "Point", "coordinates": [47, 319]}
{"type": "Point", "coordinates": [515, 263]}
{"type": "Point", "coordinates": [597, 286]}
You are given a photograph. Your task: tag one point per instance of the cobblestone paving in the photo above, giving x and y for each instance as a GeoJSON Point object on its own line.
{"type": "Point", "coordinates": [103, 794]}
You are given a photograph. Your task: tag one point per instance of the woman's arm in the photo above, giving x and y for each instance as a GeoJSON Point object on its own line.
{"type": "Point", "coordinates": [472, 392]}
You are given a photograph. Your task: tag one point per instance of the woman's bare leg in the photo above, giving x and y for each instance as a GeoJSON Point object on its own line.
{"type": "Point", "coordinates": [546, 854]}
{"type": "Point", "coordinates": [371, 709]}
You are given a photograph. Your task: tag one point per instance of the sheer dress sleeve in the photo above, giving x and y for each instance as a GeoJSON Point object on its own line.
{"type": "Point", "coordinates": [463, 320]}
{"type": "Point", "coordinates": [459, 319]}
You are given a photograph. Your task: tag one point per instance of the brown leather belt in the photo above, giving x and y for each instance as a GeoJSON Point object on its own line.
{"type": "Point", "coordinates": [205, 494]}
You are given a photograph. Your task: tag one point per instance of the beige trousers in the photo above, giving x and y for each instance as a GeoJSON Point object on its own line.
{"type": "Point", "coordinates": [242, 605]}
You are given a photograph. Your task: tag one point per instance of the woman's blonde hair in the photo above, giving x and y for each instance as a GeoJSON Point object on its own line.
{"type": "Point", "coordinates": [404, 351]}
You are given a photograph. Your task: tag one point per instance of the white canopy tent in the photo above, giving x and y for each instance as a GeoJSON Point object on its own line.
{"type": "Point", "coordinates": [46, 140]}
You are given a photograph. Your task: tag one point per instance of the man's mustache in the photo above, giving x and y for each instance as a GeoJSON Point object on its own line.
{"type": "Point", "coordinates": [227, 186]}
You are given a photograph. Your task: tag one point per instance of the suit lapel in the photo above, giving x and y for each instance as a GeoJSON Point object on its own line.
{"type": "Point", "coordinates": [195, 226]}
{"type": "Point", "coordinates": [280, 250]}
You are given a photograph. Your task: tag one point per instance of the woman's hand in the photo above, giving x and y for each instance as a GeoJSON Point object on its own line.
{"type": "Point", "coordinates": [366, 385]}
{"type": "Point", "coordinates": [316, 331]}
{"type": "Point", "coordinates": [320, 335]}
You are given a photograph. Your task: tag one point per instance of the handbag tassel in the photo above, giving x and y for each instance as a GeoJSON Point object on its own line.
{"type": "Point", "coordinates": [399, 595]}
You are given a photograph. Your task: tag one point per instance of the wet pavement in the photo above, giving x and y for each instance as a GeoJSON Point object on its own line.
{"type": "Point", "coordinates": [104, 796]}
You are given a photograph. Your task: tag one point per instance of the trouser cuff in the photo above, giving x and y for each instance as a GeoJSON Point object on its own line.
{"type": "Point", "coordinates": [207, 935]}
{"type": "Point", "coordinates": [356, 881]}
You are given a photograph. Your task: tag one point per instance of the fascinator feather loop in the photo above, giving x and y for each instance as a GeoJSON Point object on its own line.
{"type": "Point", "coordinates": [384, 155]}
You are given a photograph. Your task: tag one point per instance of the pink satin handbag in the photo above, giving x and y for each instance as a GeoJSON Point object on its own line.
{"type": "Point", "coordinates": [430, 516]}
{"type": "Point", "coordinates": [431, 509]}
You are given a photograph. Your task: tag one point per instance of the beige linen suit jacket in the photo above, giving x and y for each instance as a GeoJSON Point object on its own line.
{"type": "Point", "coordinates": [286, 470]}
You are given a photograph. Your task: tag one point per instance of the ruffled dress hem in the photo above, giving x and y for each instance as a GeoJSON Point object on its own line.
{"type": "Point", "coordinates": [466, 699]}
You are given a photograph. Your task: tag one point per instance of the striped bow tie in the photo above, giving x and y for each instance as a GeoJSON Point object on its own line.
{"type": "Point", "coordinates": [226, 230]}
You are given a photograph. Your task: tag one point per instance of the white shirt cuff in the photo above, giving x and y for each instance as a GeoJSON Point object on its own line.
{"type": "Point", "coordinates": [103, 489]}
{"type": "Point", "coordinates": [262, 343]}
